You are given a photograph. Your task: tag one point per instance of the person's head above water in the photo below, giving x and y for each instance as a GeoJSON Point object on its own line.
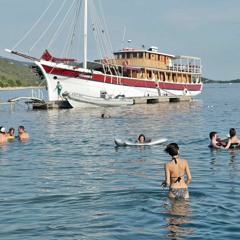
{"type": "Point", "coordinates": [212, 134]}
{"type": "Point", "coordinates": [232, 132]}
{"type": "Point", "coordinates": [141, 138]}
{"type": "Point", "coordinates": [172, 149]}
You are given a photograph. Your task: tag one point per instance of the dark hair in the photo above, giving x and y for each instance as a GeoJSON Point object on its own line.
{"type": "Point", "coordinates": [232, 132]}
{"type": "Point", "coordinates": [172, 149]}
{"type": "Point", "coordinates": [21, 127]}
{"type": "Point", "coordinates": [141, 135]}
{"type": "Point", "coordinates": [212, 134]}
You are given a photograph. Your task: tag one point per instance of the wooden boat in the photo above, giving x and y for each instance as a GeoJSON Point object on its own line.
{"type": "Point", "coordinates": [82, 101]}
{"type": "Point", "coordinates": [134, 72]}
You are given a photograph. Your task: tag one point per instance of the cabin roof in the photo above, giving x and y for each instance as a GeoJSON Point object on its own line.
{"type": "Point", "coordinates": [154, 50]}
{"type": "Point", "coordinates": [182, 56]}
{"type": "Point", "coordinates": [134, 50]}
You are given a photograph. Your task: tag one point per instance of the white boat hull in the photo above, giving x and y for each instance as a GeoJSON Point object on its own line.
{"type": "Point", "coordinates": [82, 101]}
{"type": "Point", "coordinates": [86, 85]}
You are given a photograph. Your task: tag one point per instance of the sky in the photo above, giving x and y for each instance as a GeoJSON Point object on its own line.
{"type": "Point", "coordinates": [208, 29]}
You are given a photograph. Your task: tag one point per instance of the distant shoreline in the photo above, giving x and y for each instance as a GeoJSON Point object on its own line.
{"type": "Point", "coordinates": [17, 88]}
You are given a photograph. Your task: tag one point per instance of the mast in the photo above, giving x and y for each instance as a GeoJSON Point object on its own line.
{"type": "Point", "coordinates": [85, 35]}
{"type": "Point", "coordinates": [123, 37]}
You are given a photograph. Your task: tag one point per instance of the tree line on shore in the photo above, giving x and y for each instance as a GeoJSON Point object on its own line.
{"type": "Point", "coordinates": [15, 73]}
{"type": "Point", "coordinates": [206, 80]}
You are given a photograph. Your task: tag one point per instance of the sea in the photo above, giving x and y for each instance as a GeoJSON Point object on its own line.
{"type": "Point", "coordinates": [70, 181]}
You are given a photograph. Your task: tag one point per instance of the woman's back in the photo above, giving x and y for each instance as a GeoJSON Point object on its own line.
{"type": "Point", "coordinates": [177, 170]}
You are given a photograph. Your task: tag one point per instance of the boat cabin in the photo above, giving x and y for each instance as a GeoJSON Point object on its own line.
{"type": "Point", "coordinates": [153, 65]}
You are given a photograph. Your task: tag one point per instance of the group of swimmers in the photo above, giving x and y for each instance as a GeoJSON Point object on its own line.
{"type": "Point", "coordinates": [224, 143]}
{"type": "Point", "coordinates": [5, 136]}
{"type": "Point", "coordinates": [177, 167]}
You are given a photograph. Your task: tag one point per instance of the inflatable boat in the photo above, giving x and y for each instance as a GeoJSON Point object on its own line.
{"type": "Point", "coordinates": [84, 101]}
{"type": "Point", "coordinates": [121, 141]}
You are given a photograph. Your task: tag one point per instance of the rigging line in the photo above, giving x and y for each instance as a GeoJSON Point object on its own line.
{"type": "Point", "coordinates": [105, 25]}
{"type": "Point", "coordinates": [93, 15]}
{"type": "Point", "coordinates": [34, 25]}
{"type": "Point", "coordinates": [79, 44]}
{"type": "Point", "coordinates": [62, 23]}
{"type": "Point", "coordinates": [149, 15]}
{"type": "Point", "coordinates": [78, 6]}
{"type": "Point", "coordinates": [47, 27]}
{"type": "Point", "coordinates": [97, 23]}
{"type": "Point", "coordinates": [70, 33]}
{"type": "Point", "coordinates": [99, 33]}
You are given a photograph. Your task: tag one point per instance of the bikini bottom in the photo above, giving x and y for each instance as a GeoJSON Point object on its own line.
{"type": "Point", "coordinates": [179, 192]}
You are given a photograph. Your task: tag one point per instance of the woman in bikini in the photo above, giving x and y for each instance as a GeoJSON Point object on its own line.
{"type": "Point", "coordinates": [174, 173]}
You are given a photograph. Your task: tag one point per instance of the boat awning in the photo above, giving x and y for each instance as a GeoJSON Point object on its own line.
{"type": "Point", "coordinates": [48, 57]}
{"type": "Point", "coordinates": [133, 68]}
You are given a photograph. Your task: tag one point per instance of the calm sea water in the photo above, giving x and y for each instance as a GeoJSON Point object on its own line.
{"type": "Point", "coordinates": [70, 181]}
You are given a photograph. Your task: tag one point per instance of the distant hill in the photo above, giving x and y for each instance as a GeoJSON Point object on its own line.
{"type": "Point", "coordinates": [206, 80]}
{"type": "Point", "coordinates": [17, 74]}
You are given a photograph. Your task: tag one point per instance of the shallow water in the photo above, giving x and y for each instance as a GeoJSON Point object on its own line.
{"type": "Point", "coordinates": [70, 181]}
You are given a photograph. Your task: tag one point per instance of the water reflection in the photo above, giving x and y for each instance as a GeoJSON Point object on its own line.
{"type": "Point", "coordinates": [177, 220]}
{"type": "Point", "coordinates": [233, 153]}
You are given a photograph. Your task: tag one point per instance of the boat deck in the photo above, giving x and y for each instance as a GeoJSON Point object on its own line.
{"type": "Point", "coordinates": [161, 99]}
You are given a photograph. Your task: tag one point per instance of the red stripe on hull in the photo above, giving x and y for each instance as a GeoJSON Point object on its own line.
{"type": "Point", "coordinates": [180, 86]}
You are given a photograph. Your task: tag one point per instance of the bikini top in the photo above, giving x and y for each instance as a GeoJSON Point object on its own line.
{"type": "Point", "coordinates": [180, 177]}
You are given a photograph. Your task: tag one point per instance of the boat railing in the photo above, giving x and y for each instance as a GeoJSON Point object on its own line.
{"type": "Point", "coordinates": [37, 94]}
{"type": "Point", "coordinates": [112, 71]}
{"type": "Point", "coordinates": [185, 68]}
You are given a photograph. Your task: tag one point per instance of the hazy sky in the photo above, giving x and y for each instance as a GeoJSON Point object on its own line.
{"type": "Point", "coordinates": [208, 29]}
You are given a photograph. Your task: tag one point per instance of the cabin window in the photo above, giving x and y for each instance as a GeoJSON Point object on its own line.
{"type": "Point", "coordinates": [141, 55]}
{"type": "Point", "coordinates": [116, 56]}
{"type": "Point", "coordinates": [128, 55]}
{"type": "Point", "coordinates": [134, 55]}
